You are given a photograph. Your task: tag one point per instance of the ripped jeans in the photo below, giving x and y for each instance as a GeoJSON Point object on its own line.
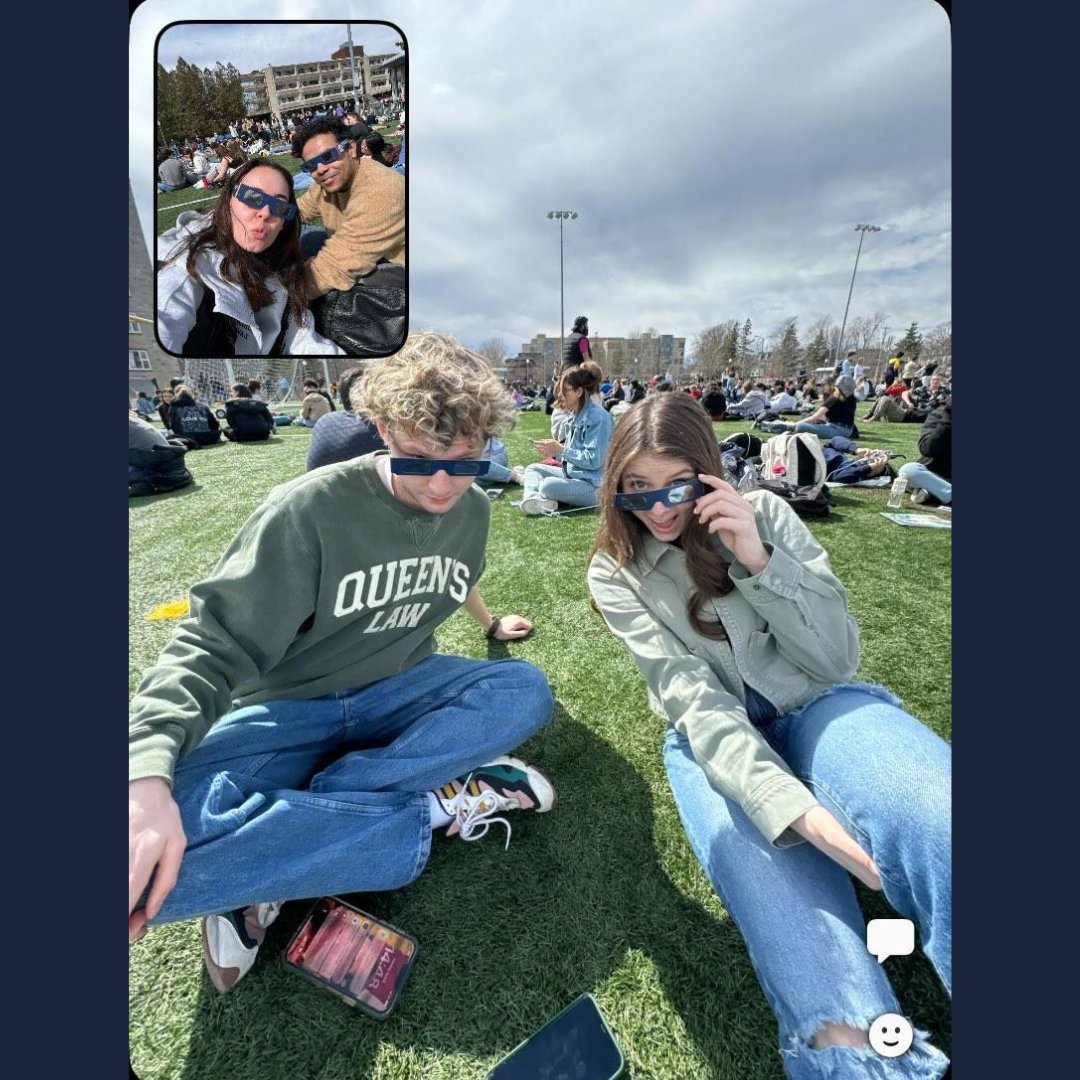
{"type": "Point", "coordinates": [887, 779]}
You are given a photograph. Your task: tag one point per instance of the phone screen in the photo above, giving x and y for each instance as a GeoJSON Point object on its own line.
{"type": "Point", "coordinates": [575, 1045]}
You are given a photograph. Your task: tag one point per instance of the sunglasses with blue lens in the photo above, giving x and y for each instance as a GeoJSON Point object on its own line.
{"type": "Point", "coordinates": [421, 466]}
{"type": "Point", "coordinates": [256, 198]}
{"type": "Point", "coordinates": [326, 157]}
{"type": "Point", "coordinates": [669, 496]}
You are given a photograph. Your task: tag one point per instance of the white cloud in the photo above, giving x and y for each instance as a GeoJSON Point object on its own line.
{"type": "Point", "coordinates": [718, 154]}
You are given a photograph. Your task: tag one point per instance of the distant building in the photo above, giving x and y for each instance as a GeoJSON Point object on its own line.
{"type": "Point", "coordinates": [644, 356]}
{"type": "Point", "coordinates": [147, 361]}
{"type": "Point", "coordinates": [322, 84]}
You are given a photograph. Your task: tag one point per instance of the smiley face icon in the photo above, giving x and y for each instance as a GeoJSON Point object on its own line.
{"type": "Point", "coordinates": [891, 1035]}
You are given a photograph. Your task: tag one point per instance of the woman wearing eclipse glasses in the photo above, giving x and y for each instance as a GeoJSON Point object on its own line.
{"type": "Point", "coordinates": [231, 281]}
{"type": "Point", "coordinates": [730, 609]}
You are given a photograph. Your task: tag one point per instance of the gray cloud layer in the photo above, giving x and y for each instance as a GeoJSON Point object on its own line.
{"type": "Point", "coordinates": [719, 156]}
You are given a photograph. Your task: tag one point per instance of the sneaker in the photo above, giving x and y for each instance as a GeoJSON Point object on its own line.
{"type": "Point", "coordinates": [922, 497]}
{"type": "Point", "coordinates": [517, 475]}
{"type": "Point", "coordinates": [231, 942]}
{"type": "Point", "coordinates": [536, 506]}
{"type": "Point", "coordinates": [504, 784]}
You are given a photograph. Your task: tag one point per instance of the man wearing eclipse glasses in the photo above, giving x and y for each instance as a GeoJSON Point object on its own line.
{"type": "Point", "coordinates": [299, 736]}
{"type": "Point", "coordinates": [361, 204]}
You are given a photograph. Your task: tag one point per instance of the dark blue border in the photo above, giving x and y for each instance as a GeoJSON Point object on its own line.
{"type": "Point", "coordinates": [1010, 574]}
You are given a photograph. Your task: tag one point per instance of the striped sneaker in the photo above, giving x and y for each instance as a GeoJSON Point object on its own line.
{"type": "Point", "coordinates": [231, 942]}
{"type": "Point", "coordinates": [507, 783]}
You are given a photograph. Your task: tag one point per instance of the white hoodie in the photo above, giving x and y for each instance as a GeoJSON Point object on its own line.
{"type": "Point", "coordinates": [179, 296]}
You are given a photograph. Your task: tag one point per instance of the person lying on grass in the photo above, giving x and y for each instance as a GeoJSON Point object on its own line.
{"type": "Point", "coordinates": [301, 738]}
{"type": "Point", "coordinates": [789, 777]}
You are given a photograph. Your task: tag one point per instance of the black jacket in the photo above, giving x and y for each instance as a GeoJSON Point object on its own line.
{"type": "Point", "coordinates": [249, 420]}
{"type": "Point", "coordinates": [935, 442]}
{"type": "Point", "coordinates": [714, 403]}
{"type": "Point", "coordinates": [189, 419]}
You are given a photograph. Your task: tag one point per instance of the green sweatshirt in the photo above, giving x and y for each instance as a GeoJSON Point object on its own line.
{"type": "Point", "coordinates": [331, 584]}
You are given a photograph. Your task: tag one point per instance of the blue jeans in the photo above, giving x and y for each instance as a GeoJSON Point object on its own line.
{"type": "Point", "coordinates": [312, 238]}
{"type": "Point", "coordinates": [294, 799]}
{"type": "Point", "coordinates": [498, 472]}
{"type": "Point", "coordinates": [824, 431]}
{"type": "Point", "coordinates": [550, 482]}
{"type": "Point", "coordinates": [919, 476]}
{"type": "Point", "coordinates": [887, 779]}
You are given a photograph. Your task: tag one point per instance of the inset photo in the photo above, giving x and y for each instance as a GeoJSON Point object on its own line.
{"type": "Point", "coordinates": [280, 217]}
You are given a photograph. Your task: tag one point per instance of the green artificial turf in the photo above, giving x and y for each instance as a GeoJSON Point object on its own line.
{"type": "Point", "coordinates": [603, 895]}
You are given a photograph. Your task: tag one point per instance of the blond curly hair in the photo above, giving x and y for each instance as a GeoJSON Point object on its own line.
{"type": "Point", "coordinates": [437, 389]}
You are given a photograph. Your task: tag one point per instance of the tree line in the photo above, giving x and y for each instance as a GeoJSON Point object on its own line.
{"type": "Point", "coordinates": [197, 101]}
{"type": "Point", "coordinates": [729, 344]}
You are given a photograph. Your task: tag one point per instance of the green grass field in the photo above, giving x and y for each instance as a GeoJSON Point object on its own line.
{"type": "Point", "coordinates": [603, 895]}
{"type": "Point", "coordinates": [170, 203]}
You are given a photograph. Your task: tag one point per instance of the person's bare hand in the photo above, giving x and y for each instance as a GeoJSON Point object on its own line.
{"type": "Point", "coordinates": [513, 626]}
{"type": "Point", "coordinates": [156, 841]}
{"type": "Point", "coordinates": [731, 517]}
{"type": "Point", "coordinates": [822, 830]}
{"type": "Point", "coordinates": [548, 447]}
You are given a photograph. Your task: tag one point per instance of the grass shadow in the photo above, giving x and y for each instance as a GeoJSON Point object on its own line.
{"type": "Point", "coordinates": [580, 902]}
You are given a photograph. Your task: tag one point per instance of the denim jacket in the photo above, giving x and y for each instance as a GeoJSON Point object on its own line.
{"type": "Point", "coordinates": [790, 637]}
{"type": "Point", "coordinates": [587, 438]}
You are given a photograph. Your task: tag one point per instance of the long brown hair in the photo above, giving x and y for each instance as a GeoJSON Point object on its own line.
{"type": "Point", "coordinates": [670, 425]}
{"type": "Point", "coordinates": [249, 269]}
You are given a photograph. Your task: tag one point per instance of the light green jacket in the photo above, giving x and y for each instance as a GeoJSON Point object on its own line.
{"type": "Point", "coordinates": [791, 637]}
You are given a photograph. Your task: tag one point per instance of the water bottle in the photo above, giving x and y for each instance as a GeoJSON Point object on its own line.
{"type": "Point", "coordinates": [896, 493]}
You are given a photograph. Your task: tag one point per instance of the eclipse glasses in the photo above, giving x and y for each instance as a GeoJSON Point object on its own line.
{"type": "Point", "coordinates": [422, 466]}
{"type": "Point", "coordinates": [669, 496]}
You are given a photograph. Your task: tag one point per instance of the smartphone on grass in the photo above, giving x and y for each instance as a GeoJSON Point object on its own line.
{"type": "Point", "coordinates": [575, 1045]}
{"type": "Point", "coordinates": [360, 958]}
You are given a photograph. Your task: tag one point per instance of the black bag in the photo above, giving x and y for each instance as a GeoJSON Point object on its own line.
{"type": "Point", "coordinates": [371, 318]}
{"type": "Point", "coordinates": [818, 506]}
{"type": "Point", "coordinates": [161, 469]}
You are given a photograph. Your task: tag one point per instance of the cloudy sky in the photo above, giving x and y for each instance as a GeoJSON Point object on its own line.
{"type": "Point", "coordinates": [718, 159]}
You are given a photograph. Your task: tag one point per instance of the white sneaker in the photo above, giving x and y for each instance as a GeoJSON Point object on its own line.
{"type": "Point", "coordinates": [473, 802]}
{"type": "Point", "coordinates": [517, 474]}
{"type": "Point", "coordinates": [536, 506]}
{"type": "Point", "coordinates": [231, 942]}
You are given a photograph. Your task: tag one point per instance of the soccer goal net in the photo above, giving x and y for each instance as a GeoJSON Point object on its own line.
{"type": "Point", "coordinates": [281, 382]}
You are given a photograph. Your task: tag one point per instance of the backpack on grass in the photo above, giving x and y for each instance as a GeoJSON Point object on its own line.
{"type": "Point", "coordinates": [793, 467]}
{"type": "Point", "coordinates": [795, 458]}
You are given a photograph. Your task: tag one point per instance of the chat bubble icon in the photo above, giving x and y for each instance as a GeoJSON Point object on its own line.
{"type": "Point", "coordinates": [890, 937]}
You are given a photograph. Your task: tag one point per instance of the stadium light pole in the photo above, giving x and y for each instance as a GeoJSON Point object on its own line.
{"type": "Point", "coordinates": [562, 215]}
{"type": "Point", "coordinates": [862, 230]}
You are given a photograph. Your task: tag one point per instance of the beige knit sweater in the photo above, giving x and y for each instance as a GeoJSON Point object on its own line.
{"type": "Point", "coordinates": [366, 225]}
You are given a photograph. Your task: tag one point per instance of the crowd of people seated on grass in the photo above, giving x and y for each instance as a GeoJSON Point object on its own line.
{"type": "Point", "coordinates": [206, 160]}
{"type": "Point", "coordinates": [725, 601]}
{"type": "Point", "coordinates": [570, 471]}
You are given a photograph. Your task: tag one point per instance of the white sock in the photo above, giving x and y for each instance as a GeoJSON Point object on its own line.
{"type": "Point", "coordinates": [439, 817]}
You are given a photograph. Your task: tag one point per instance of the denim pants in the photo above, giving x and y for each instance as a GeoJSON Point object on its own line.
{"type": "Point", "coordinates": [550, 482]}
{"type": "Point", "coordinates": [824, 431]}
{"type": "Point", "coordinates": [498, 471]}
{"type": "Point", "coordinates": [295, 799]}
{"type": "Point", "coordinates": [919, 476]}
{"type": "Point", "coordinates": [886, 778]}
{"type": "Point", "coordinates": [312, 238]}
